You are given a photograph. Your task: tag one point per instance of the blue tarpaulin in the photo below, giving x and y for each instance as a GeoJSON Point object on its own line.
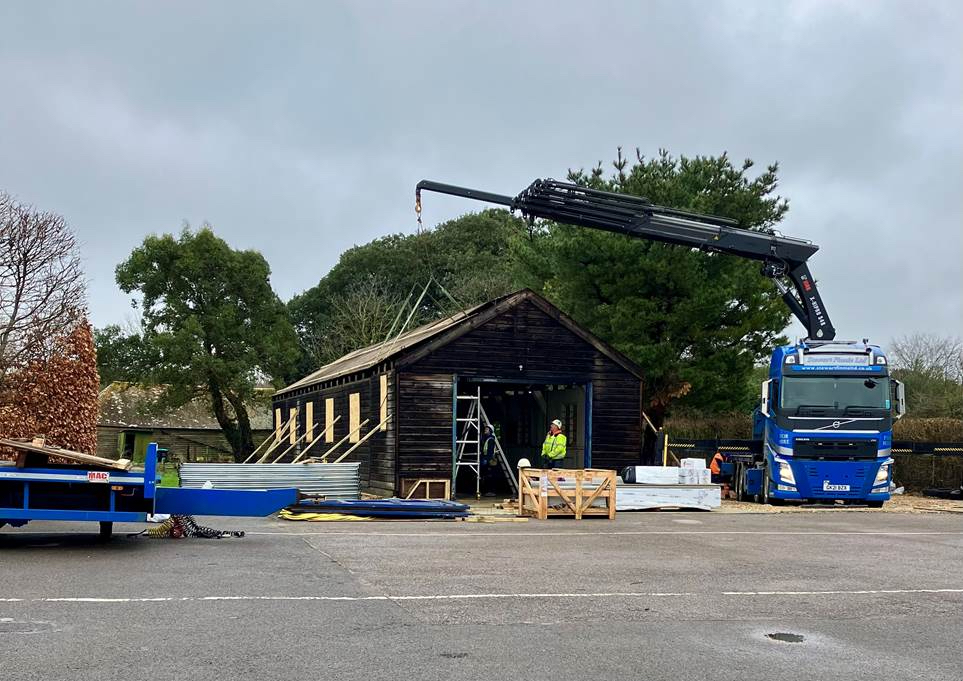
{"type": "Point", "coordinates": [386, 508]}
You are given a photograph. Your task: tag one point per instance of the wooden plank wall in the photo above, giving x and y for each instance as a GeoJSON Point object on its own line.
{"type": "Point", "coordinates": [376, 454]}
{"type": "Point", "coordinates": [547, 353]}
{"type": "Point", "coordinates": [381, 446]}
{"type": "Point", "coordinates": [425, 425]}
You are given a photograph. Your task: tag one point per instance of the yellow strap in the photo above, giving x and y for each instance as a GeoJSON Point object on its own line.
{"type": "Point", "coordinates": [318, 517]}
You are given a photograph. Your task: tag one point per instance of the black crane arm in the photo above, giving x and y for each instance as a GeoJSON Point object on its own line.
{"type": "Point", "coordinates": [781, 256]}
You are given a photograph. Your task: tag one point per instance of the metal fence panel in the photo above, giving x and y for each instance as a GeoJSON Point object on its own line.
{"type": "Point", "coordinates": [330, 480]}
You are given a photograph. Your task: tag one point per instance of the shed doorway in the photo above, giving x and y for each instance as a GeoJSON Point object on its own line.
{"type": "Point", "coordinates": [521, 414]}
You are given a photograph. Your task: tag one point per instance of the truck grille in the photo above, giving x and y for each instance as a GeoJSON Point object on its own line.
{"type": "Point", "coordinates": [805, 448]}
{"type": "Point", "coordinates": [855, 476]}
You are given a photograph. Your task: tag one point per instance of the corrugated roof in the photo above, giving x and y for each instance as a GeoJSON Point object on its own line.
{"type": "Point", "coordinates": [371, 356]}
{"type": "Point", "coordinates": [127, 405]}
{"type": "Point", "coordinates": [365, 358]}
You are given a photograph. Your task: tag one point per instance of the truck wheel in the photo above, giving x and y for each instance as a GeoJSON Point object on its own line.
{"type": "Point", "coordinates": [764, 497]}
{"type": "Point", "coordinates": [106, 530]}
{"type": "Point", "coordinates": [875, 504]}
{"type": "Point", "coordinates": [739, 483]}
{"type": "Point", "coordinates": [741, 493]}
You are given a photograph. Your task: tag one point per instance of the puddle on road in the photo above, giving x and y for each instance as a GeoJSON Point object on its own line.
{"type": "Point", "coordinates": [784, 637]}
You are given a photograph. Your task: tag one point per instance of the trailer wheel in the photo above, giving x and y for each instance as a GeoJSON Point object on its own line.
{"type": "Point", "coordinates": [106, 530]}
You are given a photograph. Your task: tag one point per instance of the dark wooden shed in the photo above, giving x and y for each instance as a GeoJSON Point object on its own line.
{"type": "Point", "coordinates": [527, 361]}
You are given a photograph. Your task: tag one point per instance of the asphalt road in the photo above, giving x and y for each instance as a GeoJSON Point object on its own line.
{"type": "Point", "coordinates": [649, 596]}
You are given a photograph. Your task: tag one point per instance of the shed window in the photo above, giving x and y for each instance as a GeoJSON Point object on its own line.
{"type": "Point", "coordinates": [309, 421]}
{"type": "Point", "coordinates": [293, 437]}
{"type": "Point", "coordinates": [329, 420]}
{"type": "Point", "coordinates": [354, 416]}
{"type": "Point", "coordinates": [383, 413]}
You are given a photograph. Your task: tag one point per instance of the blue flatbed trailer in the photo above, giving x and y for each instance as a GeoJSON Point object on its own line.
{"type": "Point", "coordinates": [91, 493]}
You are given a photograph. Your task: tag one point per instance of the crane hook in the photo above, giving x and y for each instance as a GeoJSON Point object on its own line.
{"type": "Point", "coordinates": [418, 208]}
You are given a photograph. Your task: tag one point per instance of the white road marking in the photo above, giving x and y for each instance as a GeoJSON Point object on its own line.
{"type": "Point", "coordinates": [857, 592]}
{"type": "Point", "coordinates": [473, 597]}
{"type": "Point", "coordinates": [616, 533]}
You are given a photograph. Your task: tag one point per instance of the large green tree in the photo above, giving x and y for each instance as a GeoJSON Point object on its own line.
{"type": "Point", "coordinates": [212, 321]}
{"type": "Point", "coordinates": [355, 304]}
{"type": "Point", "coordinates": [695, 322]}
{"type": "Point", "coordinates": [121, 355]}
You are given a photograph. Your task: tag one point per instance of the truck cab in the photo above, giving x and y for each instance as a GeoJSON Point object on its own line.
{"type": "Point", "coordinates": [827, 423]}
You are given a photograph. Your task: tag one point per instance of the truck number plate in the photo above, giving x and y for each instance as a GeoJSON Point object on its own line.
{"type": "Point", "coordinates": [829, 487]}
{"type": "Point", "coordinates": [98, 476]}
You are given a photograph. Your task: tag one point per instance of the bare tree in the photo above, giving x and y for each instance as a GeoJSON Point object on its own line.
{"type": "Point", "coordinates": [931, 367]}
{"type": "Point", "coordinates": [42, 288]}
{"type": "Point", "coordinates": [936, 357]}
{"type": "Point", "coordinates": [364, 314]}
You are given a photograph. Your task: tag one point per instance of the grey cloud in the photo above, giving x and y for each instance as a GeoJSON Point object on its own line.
{"type": "Point", "coordinates": [300, 129]}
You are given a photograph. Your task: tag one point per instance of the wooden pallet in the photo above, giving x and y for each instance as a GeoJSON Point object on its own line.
{"type": "Point", "coordinates": [433, 488]}
{"type": "Point", "coordinates": [566, 492]}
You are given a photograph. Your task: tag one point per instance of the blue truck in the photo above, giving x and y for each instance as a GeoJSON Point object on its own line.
{"type": "Point", "coordinates": [824, 425]}
{"type": "Point", "coordinates": [99, 492]}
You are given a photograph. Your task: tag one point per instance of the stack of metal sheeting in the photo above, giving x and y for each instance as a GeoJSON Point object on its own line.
{"type": "Point", "coordinates": [329, 480]}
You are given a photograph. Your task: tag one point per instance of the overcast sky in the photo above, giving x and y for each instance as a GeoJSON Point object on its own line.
{"type": "Point", "coordinates": [301, 128]}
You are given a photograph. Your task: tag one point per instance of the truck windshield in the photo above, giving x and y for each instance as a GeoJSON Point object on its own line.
{"type": "Point", "coordinates": [830, 392]}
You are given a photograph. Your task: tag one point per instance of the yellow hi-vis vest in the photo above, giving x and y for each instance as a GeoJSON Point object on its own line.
{"type": "Point", "coordinates": [554, 447]}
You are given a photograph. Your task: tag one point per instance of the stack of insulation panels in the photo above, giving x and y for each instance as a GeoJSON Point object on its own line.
{"type": "Point", "coordinates": [687, 486]}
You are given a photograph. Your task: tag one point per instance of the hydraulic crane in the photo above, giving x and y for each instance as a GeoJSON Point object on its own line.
{"type": "Point", "coordinates": [828, 407]}
{"type": "Point", "coordinates": [782, 257]}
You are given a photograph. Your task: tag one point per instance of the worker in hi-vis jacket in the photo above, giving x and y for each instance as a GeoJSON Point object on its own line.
{"type": "Point", "coordinates": [553, 449]}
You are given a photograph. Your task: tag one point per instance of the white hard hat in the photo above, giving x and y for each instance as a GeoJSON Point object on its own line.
{"type": "Point", "coordinates": [524, 463]}
{"type": "Point", "coordinates": [557, 423]}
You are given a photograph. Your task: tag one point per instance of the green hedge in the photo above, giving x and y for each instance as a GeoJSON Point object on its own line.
{"type": "Point", "coordinates": [739, 427]}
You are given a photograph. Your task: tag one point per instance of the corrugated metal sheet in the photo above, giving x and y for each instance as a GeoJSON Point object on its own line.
{"type": "Point", "coordinates": [330, 480]}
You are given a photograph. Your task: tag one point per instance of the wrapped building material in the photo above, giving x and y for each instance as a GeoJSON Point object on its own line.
{"type": "Point", "coordinates": [651, 475]}
{"type": "Point", "coordinates": [645, 497]}
{"type": "Point", "coordinates": [694, 476]}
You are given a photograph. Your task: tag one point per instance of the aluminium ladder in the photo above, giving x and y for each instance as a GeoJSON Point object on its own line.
{"type": "Point", "coordinates": [470, 444]}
